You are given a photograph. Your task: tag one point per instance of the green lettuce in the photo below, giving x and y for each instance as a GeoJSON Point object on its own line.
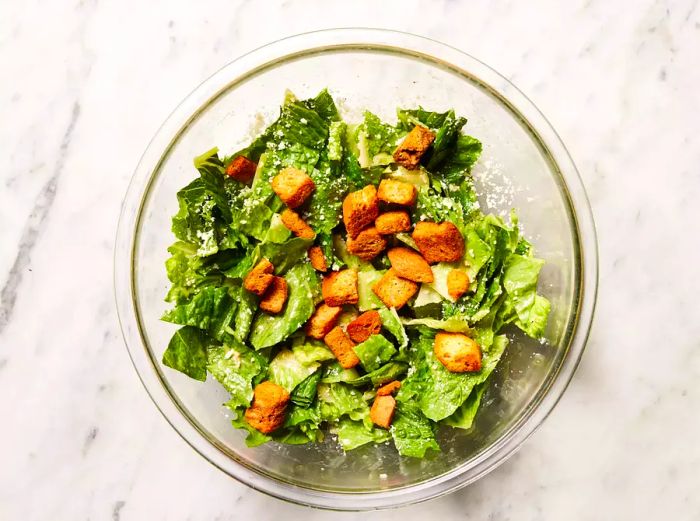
{"type": "Point", "coordinates": [334, 373]}
{"type": "Point", "coordinates": [352, 434]}
{"type": "Point", "coordinates": [374, 352]}
{"type": "Point", "coordinates": [287, 371]}
{"type": "Point", "coordinates": [305, 392]}
{"type": "Point", "coordinates": [367, 298]}
{"type": "Point", "coordinates": [376, 141]}
{"type": "Point", "coordinates": [437, 391]}
{"type": "Point", "coordinates": [304, 288]}
{"type": "Point", "coordinates": [392, 323]}
{"type": "Point", "coordinates": [235, 367]}
{"type": "Point", "coordinates": [187, 353]}
{"type": "Point", "coordinates": [224, 227]}
{"type": "Point", "coordinates": [463, 417]}
{"type": "Point", "coordinates": [337, 400]}
{"type": "Point", "coordinates": [413, 433]}
{"type": "Point", "coordinates": [211, 309]}
{"type": "Point", "coordinates": [384, 374]}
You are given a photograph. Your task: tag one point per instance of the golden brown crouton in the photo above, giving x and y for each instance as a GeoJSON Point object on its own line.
{"type": "Point", "coordinates": [342, 347]}
{"type": "Point", "coordinates": [382, 411]}
{"type": "Point", "coordinates": [409, 264]}
{"type": "Point", "coordinates": [397, 192]}
{"type": "Point", "coordinates": [393, 290]}
{"type": "Point", "coordinates": [390, 388]}
{"type": "Point", "coordinates": [367, 324]}
{"type": "Point", "coordinates": [266, 413]}
{"type": "Point", "coordinates": [274, 298]}
{"type": "Point", "coordinates": [457, 352]}
{"type": "Point", "coordinates": [297, 225]}
{"type": "Point", "coordinates": [293, 186]}
{"type": "Point", "coordinates": [241, 169]}
{"type": "Point", "coordinates": [367, 245]}
{"type": "Point", "coordinates": [393, 222]}
{"type": "Point", "coordinates": [259, 278]}
{"type": "Point", "coordinates": [360, 209]}
{"type": "Point", "coordinates": [439, 242]}
{"type": "Point", "coordinates": [318, 259]}
{"type": "Point", "coordinates": [322, 321]}
{"type": "Point", "coordinates": [457, 283]}
{"type": "Point", "coordinates": [414, 145]}
{"type": "Point", "coordinates": [340, 287]}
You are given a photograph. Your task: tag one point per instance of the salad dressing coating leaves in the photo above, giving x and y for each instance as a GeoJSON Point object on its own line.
{"type": "Point", "coordinates": [224, 227]}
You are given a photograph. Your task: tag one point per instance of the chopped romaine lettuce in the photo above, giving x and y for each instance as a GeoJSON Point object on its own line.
{"type": "Point", "coordinates": [235, 367]}
{"type": "Point", "coordinates": [225, 227]}
{"type": "Point", "coordinates": [368, 299]}
{"type": "Point", "coordinates": [374, 352]}
{"type": "Point", "coordinates": [352, 434]}
{"type": "Point", "coordinates": [270, 330]}
{"type": "Point", "coordinates": [187, 353]}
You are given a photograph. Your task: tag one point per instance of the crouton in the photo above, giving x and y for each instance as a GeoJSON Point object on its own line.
{"type": "Point", "coordinates": [241, 169]}
{"type": "Point", "coordinates": [360, 209]}
{"type": "Point", "coordinates": [388, 389]}
{"type": "Point", "coordinates": [393, 290]}
{"type": "Point", "coordinates": [409, 264]}
{"type": "Point", "coordinates": [382, 411]}
{"type": "Point", "coordinates": [439, 242]}
{"type": "Point", "coordinates": [275, 297]}
{"type": "Point", "coordinates": [367, 324]}
{"type": "Point", "coordinates": [259, 278]}
{"type": "Point", "coordinates": [340, 287]}
{"type": "Point", "coordinates": [342, 347]}
{"type": "Point", "coordinates": [393, 222]}
{"type": "Point", "coordinates": [414, 145]}
{"type": "Point", "coordinates": [322, 321]}
{"type": "Point", "coordinates": [367, 245]}
{"type": "Point", "coordinates": [297, 225]}
{"type": "Point", "coordinates": [457, 352]}
{"type": "Point", "coordinates": [293, 186]}
{"type": "Point", "coordinates": [457, 283]}
{"type": "Point", "coordinates": [397, 192]}
{"type": "Point", "coordinates": [266, 414]}
{"type": "Point", "coordinates": [318, 259]}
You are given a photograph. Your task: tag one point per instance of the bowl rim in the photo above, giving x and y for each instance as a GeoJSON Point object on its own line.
{"type": "Point", "coordinates": [283, 50]}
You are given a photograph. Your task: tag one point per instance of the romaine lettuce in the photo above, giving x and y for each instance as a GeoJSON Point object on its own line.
{"type": "Point", "coordinates": [270, 330]}
{"type": "Point", "coordinates": [224, 227]}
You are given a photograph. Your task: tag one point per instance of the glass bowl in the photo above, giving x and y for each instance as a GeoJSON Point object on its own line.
{"type": "Point", "coordinates": [524, 165]}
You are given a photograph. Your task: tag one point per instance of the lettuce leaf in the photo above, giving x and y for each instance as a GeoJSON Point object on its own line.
{"type": "Point", "coordinates": [392, 323]}
{"type": "Point", "coordinates": [367, 298]}
{"type": "Point", "coordinates": [385, 374]}
{"type": "Point", "coordinates": [463, 418]}
{"type": "Point", "coordinates": [353, 434]}
{"type": "Point", "coordinates": [374, 352]}
{"type": "Point", "coordinates": [413, 433]}
{"type": "Point", "coordinates": [304, 288]}
{"type": "Point", "coordinates": [376, 141]}
{"type": "Point", "coordinates": [437, 391]}
{"type": "Point", "coordinates": [287, 371]}
{"type": "Point", "coordinates": [334, 373]}
{"type": "Point", "coordinates": [337, 400]}
{"type": "Point", "coordinates": [235, 367]}
{"type": "Point", "coordinates": [305, 392]}
{"type": "Point", "coordinates": [212, 309]}
{"type": "Point", "coordinates": [187, 352]}
{"type": "Point", "coordinates": [447, 127]}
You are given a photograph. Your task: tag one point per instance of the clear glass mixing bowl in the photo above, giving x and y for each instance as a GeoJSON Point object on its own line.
{"type": "Point", "coordinates": [524, 165]}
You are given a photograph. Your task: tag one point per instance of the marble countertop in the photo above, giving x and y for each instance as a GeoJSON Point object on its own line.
{"type": "Point", "coordinates": [87, 83]}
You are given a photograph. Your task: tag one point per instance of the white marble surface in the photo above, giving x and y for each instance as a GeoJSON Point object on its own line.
{"type": "Point", "coordinates": [85, 84]}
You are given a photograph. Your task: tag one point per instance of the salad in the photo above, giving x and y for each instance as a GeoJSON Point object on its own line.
{"type": "Point", "coordinates": [341, 279]}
